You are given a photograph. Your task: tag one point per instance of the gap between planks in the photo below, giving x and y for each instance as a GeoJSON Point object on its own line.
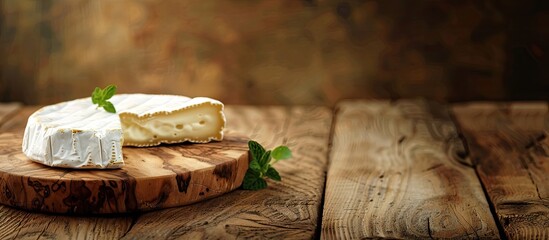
{"type": "Point", "coordinates": [318, 231]}
{"type": "Point", "coordinates": [484, 190]}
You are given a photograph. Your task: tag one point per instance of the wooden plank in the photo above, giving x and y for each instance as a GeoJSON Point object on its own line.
{"type": "Point", "coordinates": [17, 224]}
{"type": "Point", "coordinates": [397, 171]}
{"type": "Point", "coordinates": [7, 110]}
{"type": "Point", "coordinates": [287, 209]}
{"type": "Point", "coordinates": [509, 144]}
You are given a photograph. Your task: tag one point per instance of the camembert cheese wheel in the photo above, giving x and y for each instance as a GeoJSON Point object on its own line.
{"type": "Point", "coordinates": [77, 134]}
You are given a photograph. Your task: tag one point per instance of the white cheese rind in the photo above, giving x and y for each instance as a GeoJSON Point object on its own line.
{"type": "Point", "coordinates": [75, 134]}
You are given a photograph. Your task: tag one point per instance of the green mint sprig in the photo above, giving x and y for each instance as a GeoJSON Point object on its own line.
{"type": "Point", "coordinates": [100, 97]}
{"type": "Point", "coordinates": [261, 166]}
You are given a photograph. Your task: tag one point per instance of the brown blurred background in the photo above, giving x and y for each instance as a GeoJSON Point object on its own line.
{"type": "Point", "coordinates": [276, 51]}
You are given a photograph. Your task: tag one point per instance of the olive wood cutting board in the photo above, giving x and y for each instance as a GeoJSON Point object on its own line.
{"type": "Point", "coordinates": [152, 178]}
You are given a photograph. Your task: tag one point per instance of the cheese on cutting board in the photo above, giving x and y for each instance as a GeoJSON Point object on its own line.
{"type": "Point", "coordinates": [77, 134]}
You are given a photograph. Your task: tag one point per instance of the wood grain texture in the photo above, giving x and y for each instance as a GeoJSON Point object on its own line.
{"type": "Point", "coordinates": [397, 171]}
{"type": "Point", "coordinates": [152, 178]}
{"type": "Point", "coordinates": [287, 209]}
{"type": "Point", "coordinates": [509, 145]}
{"type": "Point", "coordinates": [18, 224]}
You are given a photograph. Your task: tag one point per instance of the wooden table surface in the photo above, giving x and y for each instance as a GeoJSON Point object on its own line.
{"type": "Point", "coordinates": [366, 169]}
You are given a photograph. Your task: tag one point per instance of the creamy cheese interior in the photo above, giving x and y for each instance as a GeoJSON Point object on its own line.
{"type": "Point", "coordinates": [199, 123]}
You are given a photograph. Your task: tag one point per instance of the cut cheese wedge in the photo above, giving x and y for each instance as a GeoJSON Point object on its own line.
{"type": "Point", "coordinates": [76, 134]}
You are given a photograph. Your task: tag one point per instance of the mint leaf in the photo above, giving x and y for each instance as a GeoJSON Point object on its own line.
{"type": "Point", "coordinates": [265, 160]}
{"type": "Point", "coordinates": [254, 164]}
{"type": "Point", "coordinates": [109, 107]}
{"type": "Point", "coordinates": [100, 97]}
{"type": "Point", "coordinates": [256, 150]}
{"type": "Point", "coordinates": [109, 91]}
{"type": "Point", "coordinates": [281, 153]}
{"type": "Point", "coordinates": [252, 181]}
{"type": "Point", "coordinates": [96, 95]}
{"type": "Point", "coordinates": [273, 174]}
{"type": "Point", "coordinates": [261, 165]}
